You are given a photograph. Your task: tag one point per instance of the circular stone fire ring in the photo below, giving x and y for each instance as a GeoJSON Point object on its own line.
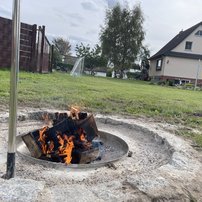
{"type": "Point", "coordinates": [114, 148]}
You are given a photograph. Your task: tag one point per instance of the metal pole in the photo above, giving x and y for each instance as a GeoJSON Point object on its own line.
{"type": "Point", "coordinates": [197, 74]}
{"type": "Point", "coordinates": [13, 89]}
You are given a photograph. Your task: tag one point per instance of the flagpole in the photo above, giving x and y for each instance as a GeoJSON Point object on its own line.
{"type": "Point", "coordinates": [10, 173]}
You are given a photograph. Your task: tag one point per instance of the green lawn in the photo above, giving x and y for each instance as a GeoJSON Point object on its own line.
{"type": "Point", "coordinates": [106, 95]}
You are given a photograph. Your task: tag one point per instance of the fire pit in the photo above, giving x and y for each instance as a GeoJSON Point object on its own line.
{"type": "Point", "coordinates": [162, 165]}
{"type": "Point", "coordinates": [114, 149]}
{"type": "Point", "coordinates": [73, 142]}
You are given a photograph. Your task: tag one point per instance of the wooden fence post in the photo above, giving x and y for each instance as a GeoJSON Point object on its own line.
{"type": "Point", "coordinates": [42, 49]}
{"type": "Point", "coordinates": [52, 58]}
{"type": "Point", "coordinates": [33, 66]}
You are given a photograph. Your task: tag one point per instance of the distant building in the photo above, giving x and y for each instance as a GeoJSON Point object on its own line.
{"type": "Point", "coordinates": [180, 58]}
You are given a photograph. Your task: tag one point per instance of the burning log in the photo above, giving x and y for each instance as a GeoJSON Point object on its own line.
{"type": "Point", "coordinates": [89, 126]}
{"type": "Point", "coordinates": [68, 126]}
{"type": "Point", "coordinates": [61, 116]}
{"type": "Point", "coordinates": [84, 157]}
{"type": "Point", "coordinates": [68, 141]}
{"type": "Point", "coordinates": [33, 146]}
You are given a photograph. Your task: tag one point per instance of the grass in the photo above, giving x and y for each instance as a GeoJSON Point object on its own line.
{"type": "Point", "coordinates": [106, 96]}
{"type": "Point", "coordinates": [196, 137]}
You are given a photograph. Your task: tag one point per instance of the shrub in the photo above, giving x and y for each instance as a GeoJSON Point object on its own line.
{"type": "Point", "coordinates": [170, 82]}
{"type": "Point", "coordinates": [162, 83]}
{"type": "Point", "coordinates": [133, 75]}
{"type": "Point", "coordinates": [64, 67]}
{"type": "Point", "coordinates": [189, 85]}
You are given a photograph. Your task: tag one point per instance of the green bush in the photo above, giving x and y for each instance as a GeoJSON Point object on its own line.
{"type": "Point", "coordinates": [189, 85]}
{"type": "Point", "coordinates": [66, 67]}
{"type": "Point", "coordinates": [162, 83]}
{"type": "Point", "coordinates": [170, 83]}
{"type": "Point", "coordinates": [133, 75]}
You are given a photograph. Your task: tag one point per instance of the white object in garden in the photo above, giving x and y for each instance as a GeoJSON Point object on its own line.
{"type": "Point", "coordinates": [78, 67]}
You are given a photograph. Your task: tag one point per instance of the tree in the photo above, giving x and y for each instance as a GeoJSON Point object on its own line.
{"type": "Point", "coordinates": [61, 49]}
{"type": "Point", "coordinates": [121, 37]}
{"type": "Point", "coordinates": [144, 57]}
{"type": "Point", "coordinates": [62, 46]}
{"type": "Point", "coordinates": [93, 56]}
{"type": "Point", "coordinates": [57, 58]}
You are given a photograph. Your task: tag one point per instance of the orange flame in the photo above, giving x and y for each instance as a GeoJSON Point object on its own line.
{"type": "Point", "coordinates": [61, 142]}
{"type": "Point", "coordinates": [82, 137]}
{"type": "Point", "coordinates": [51, 147]}
{"type": "Point", "coordinates": [66, 143]}
{"type": "Point", "coordinates": [68, 149]}
{"type": "Point", "coordinates": [42, 139]}
{"type": "Point", "coordinates": [47, 119]}
{"type": "Point", "coordinates": [74, 112]}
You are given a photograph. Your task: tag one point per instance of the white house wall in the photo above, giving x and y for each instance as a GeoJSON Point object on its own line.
{"type": "Point", "coordinates": [182, 68]}
{"type": "Point", "coordinates": [152, 69]}
{"type": "Point", "coordinates": [196, 43]}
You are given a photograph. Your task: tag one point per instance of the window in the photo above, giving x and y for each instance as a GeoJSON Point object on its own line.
{"type": "Point", "coordinates": [199, 33]}
{"type": "Point", "coordinates": [158, 64]}
{"type": "Point", "coordinates": [188, 45]}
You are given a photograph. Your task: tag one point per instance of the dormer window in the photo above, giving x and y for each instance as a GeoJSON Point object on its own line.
{"type": "Point", "coordinates": [188, 45]}
{"type": "Point", "coordinates": [198, 33]}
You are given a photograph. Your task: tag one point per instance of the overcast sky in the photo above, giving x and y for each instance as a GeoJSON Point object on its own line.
{"type": "Point", "coordinates": [80, 20]}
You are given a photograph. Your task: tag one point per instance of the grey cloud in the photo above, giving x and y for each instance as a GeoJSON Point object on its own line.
{"type": "Point", "coordinates": [62, 17]}
{"type": "Point", "coordinates": [75, 16]}
{"type": "Point", "coordinates": [89, 6]}
{"type": "Point", "coordinates": [64, 14]}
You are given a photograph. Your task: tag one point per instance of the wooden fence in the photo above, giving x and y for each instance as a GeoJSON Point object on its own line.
{"type": "Point", "coordinates": [35, 49]}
